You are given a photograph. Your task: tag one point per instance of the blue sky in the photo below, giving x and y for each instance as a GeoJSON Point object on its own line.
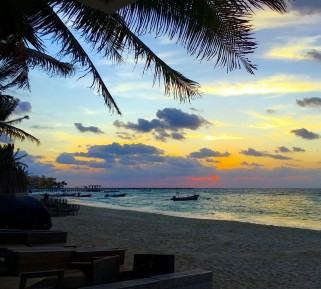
{"type": "Point", "coordinates": [260, 130]}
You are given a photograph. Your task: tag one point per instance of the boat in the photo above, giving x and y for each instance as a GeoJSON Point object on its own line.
{"type": "Point", "coordinates": [82, 196]}
{"type": "Point", "coordinates": [185, 198]}
{"type": "Point", "coordinates": [68, 194]}
{"type": "Point", "coordinates": [115, 195]}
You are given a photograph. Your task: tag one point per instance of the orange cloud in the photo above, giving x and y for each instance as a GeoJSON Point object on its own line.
{"type": "Point", "coordinates": [204, 179]}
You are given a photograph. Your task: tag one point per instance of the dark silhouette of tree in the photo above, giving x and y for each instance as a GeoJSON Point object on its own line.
{"type": "Point", "coordinates": [13, 173]}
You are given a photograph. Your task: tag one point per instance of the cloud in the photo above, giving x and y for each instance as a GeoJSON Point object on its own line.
{"type": "Point", "coordinates": [69, 159]}
{"type": "Point", "coordinates": [314, 55]}
{"type": "Point", "coordinates": [207, 153]}
{"type": "Point", "coordinates": [82, 128]}
{"type": "Point", "coordinates": [312, 102]}
{"type": "Point", "coordinates": [138, 166]}
{"type": "Point", "coordinates": [115, 152]}
{"type": "Point", "coordinates": [41, 127]}
{"type": "Point", "coordinates": [125, 135]}
{"type": "Point", "coordinates": [277, 84]}
{"type": "Point", "coordinates": [170, 123]}
{"type": "Point", "coordinates": [298, 149]}
{"type": "Point", "coordinates": [284, 149]}
{"type": "Point", "coordinates": [305, 7]}
{"type": "Point", "coordinates": [256, 165]}
{"type": "Point", "coordinates": [255, 153]}
{"type": "Point", "coordinates": [270, 111]}
{"type": "Point", "coordinates": [128, 162]}
{"type": "Point", "coordinates": [5, 139]}
{"type": "Point", "coordinates": [23, 108]}
{"type": "Point", "coordinates": [297, 49]}
{"type": "Point", "coordinates": [304, 133]}
{"type": "Point", "coordinates": [36, 165]}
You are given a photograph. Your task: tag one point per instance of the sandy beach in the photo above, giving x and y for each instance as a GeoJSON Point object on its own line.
{"type": "Point", "coordinates": [240, 255]}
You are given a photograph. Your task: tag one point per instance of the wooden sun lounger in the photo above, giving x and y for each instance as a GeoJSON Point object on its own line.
{"type": "Point", "coordinates": [16, 260]}
{"type": "Point", "coordinates": [200, 279]}
{"type": "Point", "coordinates": [32, 237]}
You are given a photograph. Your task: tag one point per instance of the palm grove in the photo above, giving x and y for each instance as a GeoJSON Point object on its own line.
{"type": "Point", "coordinates": [214, 30]}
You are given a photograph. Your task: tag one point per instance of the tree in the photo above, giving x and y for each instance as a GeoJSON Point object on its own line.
{"type": "Point", "coordinates": [13, 174]}
{"type": "Point", "coordinates": [207, 29]}
{"type": "Point", "coordinates": [7, 106]}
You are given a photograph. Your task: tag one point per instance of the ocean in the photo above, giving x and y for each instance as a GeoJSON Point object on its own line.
{"type": "Point", "coordinates": [300, 208]}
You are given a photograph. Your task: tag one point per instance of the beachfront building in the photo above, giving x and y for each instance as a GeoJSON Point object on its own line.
{"type": "Point", "coordinates": [43, 182]}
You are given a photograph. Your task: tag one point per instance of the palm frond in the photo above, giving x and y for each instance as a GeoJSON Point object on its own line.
{"type": "Point", "coordinates": [109, 34]}
{"type": "Point", "coordinates": [49, 64]}
{"type": "Point", "coordinates": [70, 47]}
{"type": "Point", "coordinates": [16, 133]}
{"type": "Point", "coordinates": [16, 59]}
{"type": "Point", "coordinates": [207, 29]}
{"type": "Point", "coordinates": [7, 106]}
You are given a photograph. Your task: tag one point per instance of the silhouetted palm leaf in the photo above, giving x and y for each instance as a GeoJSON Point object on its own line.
{"type": "Point", "coordinates": [7, 106]}
{"type": "Point", "coordinates": [207, 29]}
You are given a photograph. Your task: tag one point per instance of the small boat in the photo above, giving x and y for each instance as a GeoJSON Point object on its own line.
{"type": "Point", "coordinates": [82, 196]}
{"type": "Point", "coordinates": [69, 194]}
{"type": "Point", "coordinates": [185, 198]}
{"type": "Point", "coordinates": [115, 195]}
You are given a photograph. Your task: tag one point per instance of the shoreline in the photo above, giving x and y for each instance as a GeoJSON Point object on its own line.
{"type": "Point", "coordinates": [240, 255]}
{"type": "Point", "coordinates": [314, 226]}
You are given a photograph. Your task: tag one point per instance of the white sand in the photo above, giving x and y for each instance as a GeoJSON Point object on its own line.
{"type": "Point", "coordinates": [240, 255]}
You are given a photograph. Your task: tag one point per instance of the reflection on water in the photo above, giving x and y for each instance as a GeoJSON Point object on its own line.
{"type": "Point", "coordinates": [281, 207]}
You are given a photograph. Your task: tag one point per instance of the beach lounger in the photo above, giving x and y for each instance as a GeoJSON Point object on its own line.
{"type": "Point", "coordinates": [146, 265]}
{"type": "Point", "coordinates": [87, 255]}
{"type": "Point", "coordinates": [191, 279]}
{"type": "Point", "coordinates": [32, 237]}
{"type": "Point", "coordinates": [57, 282]}
{"type": "Point", "coordinates": [100, 270]}
{"type": "Point", "coordinates": [19, 260]}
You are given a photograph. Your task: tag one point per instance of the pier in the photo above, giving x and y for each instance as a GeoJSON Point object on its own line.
{"type": "Point", "coordinates": [98, 188]}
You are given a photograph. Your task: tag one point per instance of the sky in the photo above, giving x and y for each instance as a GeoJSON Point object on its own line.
{"type": "Point", "coordinates": [261, 130]}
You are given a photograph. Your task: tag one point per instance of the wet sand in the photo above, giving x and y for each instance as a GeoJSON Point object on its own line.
{"type": "Point", "coordinates": [240, 255]}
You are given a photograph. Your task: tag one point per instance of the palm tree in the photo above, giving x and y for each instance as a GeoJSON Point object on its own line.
{"type": "Point", "coordinates": [7, 106]}
{"type": "Point", "coordinates": [13, 174]}
{"type": "Point", "coordinates": [208, 29]}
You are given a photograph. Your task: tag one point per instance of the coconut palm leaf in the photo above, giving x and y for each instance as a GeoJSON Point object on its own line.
{"type": "Point", "coordinates": [108, 34]}
{"type": "Point", "coordinates": [207, 29]}
{"type": "Point", "coordinates": [7, 106]}
{"type": "Point", "coordinates": [52, 25]}
{"type": "Point", "coordinates": [16, 133]}
{"type": "Point", "coordinates": [216, 30]}
{"type": "Point", "coordinates": [16, 59]}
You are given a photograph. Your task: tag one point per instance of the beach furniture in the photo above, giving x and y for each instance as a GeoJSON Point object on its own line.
{"type": "Point", "coordinates": [146, 265]}
{"type": "Point", "coordinates": [87, 254]}
{"type": "Point", "coordinates": [58, 207]}
{"type": "Point", "coordinates": [191, 279]}
{"type": "Point", "coordinates": [13, 282]}
{"type": "Point", "coordinates": [100, 270]}
{"type": "Point", "coordinates": [31, 237]}
{"type": "Point", "coordinates": [57, 282]}
{"type": "Point", "coordinates": [17, 260]}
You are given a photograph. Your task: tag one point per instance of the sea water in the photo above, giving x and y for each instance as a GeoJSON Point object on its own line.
{"type": "Point", "coordinates": [300, 208]}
